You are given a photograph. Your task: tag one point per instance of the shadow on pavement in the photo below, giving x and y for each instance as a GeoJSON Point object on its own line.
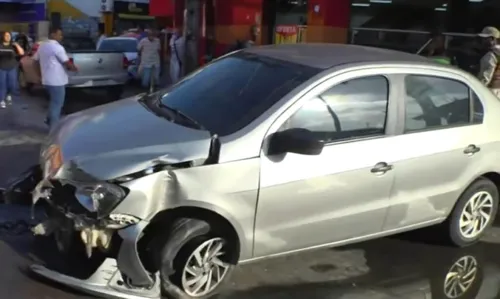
{"type": "Point", "coordinates": [16, 158]}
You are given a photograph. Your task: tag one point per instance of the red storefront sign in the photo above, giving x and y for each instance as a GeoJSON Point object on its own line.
{"type": "Point", "coordinates": [161, 8]}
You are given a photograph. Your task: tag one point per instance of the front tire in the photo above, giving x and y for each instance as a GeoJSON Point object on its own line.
{"type": "Point", "coordinates": [195, 261]}
{"type": "Point", "coordinates": [474, 212]}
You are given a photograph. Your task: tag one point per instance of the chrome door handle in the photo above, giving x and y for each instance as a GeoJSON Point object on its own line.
{"type": "Point", "coordinates": [471, 149]}
{"type": "Point", "coordinates": [381, 168]}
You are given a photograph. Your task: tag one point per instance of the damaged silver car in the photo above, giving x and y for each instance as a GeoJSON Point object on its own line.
{"type": "Point", "coordinates": [266, 151]}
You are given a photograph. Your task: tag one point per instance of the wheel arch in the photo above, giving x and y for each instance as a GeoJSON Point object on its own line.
{"type": "Point", "coordinates": [217, 218]}
{"type": "Point", "coordinates": [494, 177]}
{"type": "Point", "coordinates": [491, 175]}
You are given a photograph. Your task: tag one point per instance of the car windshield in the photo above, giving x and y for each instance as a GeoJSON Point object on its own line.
{"type": "Point", "coordinates": [229, 93]}
{"type": "Point", "coordinates": [119, 45]}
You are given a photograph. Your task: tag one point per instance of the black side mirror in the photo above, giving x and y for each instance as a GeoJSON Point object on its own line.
{"type": "Point", "coordinates": [299, 141]}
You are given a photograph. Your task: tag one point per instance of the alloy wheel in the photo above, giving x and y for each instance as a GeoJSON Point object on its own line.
{"type": "Point", "coordinates": [476, 214]}
{"type": "Point", "coordinates": [204, 269]}
{"type": "Point", "coordinates": [460, 277]}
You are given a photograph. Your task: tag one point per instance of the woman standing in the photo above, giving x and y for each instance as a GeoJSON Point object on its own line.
{"type": "Point", "coordinates": [8, 68]}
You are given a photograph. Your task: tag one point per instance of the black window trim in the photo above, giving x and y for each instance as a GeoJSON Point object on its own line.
{"type": "Point", "coordinates": [471, 104]}
{"type": "Point", "coordinates": [472, 92]}
{"type": "Point", "coordinates": [389, 80]}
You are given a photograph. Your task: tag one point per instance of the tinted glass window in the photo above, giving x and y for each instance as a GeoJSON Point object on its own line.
{"type": "Point", "coordinates": [353, 109]}
{"type": "Point", "coordinates": [229, 93]}
{"type": "Point", "coordinates": [477, 117]}
{"type": "Point", "coordinates": [78, 44]}
{"type": "Point", "coordinates": [433, 102]}
{"type": "Point", "coordinates": [119, 45]}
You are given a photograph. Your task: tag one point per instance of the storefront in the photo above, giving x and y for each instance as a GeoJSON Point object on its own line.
{"type": "Point", "coordinates": [129, 15]}
{"type": "Point", "coordinates": [21, 15]}
{"type": "Point", "coordinates": [406, 24]}
{"type": "Point", "coordinates": [226, 21]}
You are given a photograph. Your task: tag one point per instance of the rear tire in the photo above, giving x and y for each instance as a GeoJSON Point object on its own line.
{"type": "Point", "coordinates": [193, 254]}
{"type": "Point", "coordinates": [474, 213]}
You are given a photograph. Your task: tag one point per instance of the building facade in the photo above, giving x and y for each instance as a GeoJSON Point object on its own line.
{"type": "Point", "coordinates": [18, 15]}
{"type": "Point", "coordinates": [398, 24]}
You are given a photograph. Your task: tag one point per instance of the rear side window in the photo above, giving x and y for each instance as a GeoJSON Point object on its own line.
{"type": "Point", "coordinates": [477, 109]}
{"type": "Point", "coordinates": [435, 102]}
{"type": "Point", "coordinates": [118, 45]}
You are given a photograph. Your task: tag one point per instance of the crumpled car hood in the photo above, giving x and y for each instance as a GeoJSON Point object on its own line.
{"type": "Point", "coordinates": [121, 138]}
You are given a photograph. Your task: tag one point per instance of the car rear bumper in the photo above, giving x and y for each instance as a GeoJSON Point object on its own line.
{"type": "Point", "coordinates": [75, 82]}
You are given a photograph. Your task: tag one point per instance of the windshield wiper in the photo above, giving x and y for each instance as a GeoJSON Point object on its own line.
{"type": "Point", "coordinates": [178, 113]}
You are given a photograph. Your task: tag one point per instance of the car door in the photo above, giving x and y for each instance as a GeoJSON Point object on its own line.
{"type": "Point", "coordinates": [342, 193]}
{"type": "Point", "coordinates": [441, 137]}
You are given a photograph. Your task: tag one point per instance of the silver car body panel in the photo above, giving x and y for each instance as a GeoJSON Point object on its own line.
{"type": "Point", "coordinates": [279, 205]}
{"type": "Point", "coordinates": [86, 142]}
{"type": "Point", "coordinates": [131, 56]}
{"type": "Point", "coordinates": [97, 69]}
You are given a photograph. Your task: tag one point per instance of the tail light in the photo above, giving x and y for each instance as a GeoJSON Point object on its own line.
{"type": "Point", "coordinates": [126, 62]}
{"type": "Point", "coordinates": [34, 48]}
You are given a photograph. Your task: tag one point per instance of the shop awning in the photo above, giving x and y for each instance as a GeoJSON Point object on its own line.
{"type": "Point", "coordinates": [134, 17]}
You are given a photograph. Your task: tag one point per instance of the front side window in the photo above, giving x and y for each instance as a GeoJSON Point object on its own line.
{"type": "Point", "coordinates": [353, 109]}
{"type": "Point", "coordinates": [433, 102]}
{"type": "Point", "coordinates": [231, 92]}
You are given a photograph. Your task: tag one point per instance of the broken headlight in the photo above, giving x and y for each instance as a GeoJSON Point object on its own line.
{"type": "Point", "coordinates": [100, 198]}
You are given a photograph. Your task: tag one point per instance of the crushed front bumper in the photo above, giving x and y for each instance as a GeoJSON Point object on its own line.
{"type": "Point", "coordinates": [106, 282]}
{"type": "Point", "coordinates": [122, 275]}
{"type": "Point", "coordinates": [115, 278]}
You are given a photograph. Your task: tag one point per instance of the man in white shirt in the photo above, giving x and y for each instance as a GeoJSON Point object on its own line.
{"type": "Point", "coordinates": [149, 51]}
{"type": "Point", "coordinates": [52, 65]}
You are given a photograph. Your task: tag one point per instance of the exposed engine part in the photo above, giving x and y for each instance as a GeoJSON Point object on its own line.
{"type": "Point", "coordinates": [42, 190]}
{"type": "Point", "coordinates": [45, 228]}
{"type": "Point", "coordinates": [95, 238]}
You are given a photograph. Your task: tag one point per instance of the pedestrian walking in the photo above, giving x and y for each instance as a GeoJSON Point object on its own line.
{"type": "Point", "coordinates": [149, 50]}
{"type": "Point", "coordinates": [489, 68]}
{"type": "Point", "coordinates": [177, 52]}
{"type": "Point", "coordinates": [53, 62]}
{"type": "Point", "coordinates": [9, 51]}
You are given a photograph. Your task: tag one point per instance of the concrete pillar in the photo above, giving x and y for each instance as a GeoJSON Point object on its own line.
{"type": "Point", "coordinates": [328, 21]}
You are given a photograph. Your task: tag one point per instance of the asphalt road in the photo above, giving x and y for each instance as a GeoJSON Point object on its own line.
{"type": "Point", "coordinates": [406, 266]}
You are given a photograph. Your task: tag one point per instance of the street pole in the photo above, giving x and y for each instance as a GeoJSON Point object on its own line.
{"type": "Point", "coordinates": [107, 8]}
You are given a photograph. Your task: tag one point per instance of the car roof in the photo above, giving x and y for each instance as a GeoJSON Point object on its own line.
{"type": "Point", "coordinates": [325, 56]}
{"type": "Point", "coordinates": [120, 37]}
